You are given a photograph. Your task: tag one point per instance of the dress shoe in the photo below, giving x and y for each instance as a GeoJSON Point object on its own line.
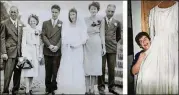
{"type": "Point", "coordinates": [14, 92]}
{"type": "Point", "coordinates": [53, 93]}
{"type": "Point", "coordinates": [50, 93]}
{"type": "Point", "coordinates": [30, 92]}
{"type": "Point", "coordinates": [27, 93]}
{"type": "Point", "coordinates": [92, 93]}
{"type": "Point", "coordinates": [113, 90]}
{"type": "Point", "coordinates": [47, 93]}
{"type": "Point", "coordinates": [101, 90]}
{"type": "Point", "coordinates": [5, 93]}
{"type": "Point", "coordinates": [55, 87]}
{"type": "Point", "coordinates": [87, 93]}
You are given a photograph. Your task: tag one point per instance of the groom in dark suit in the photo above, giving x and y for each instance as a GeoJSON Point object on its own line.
{"type": "Point", "coordinates": [112, 36]}
{"type": "Point", "coordinates": [11, 38]}
{"type": "Point", "coordinates": [51, 36]}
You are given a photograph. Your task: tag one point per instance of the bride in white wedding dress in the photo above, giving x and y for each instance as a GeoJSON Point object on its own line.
{"type": "Point", "coordinates": [159, 71]}
{"type": "Point", "coordinates": [71, 76]}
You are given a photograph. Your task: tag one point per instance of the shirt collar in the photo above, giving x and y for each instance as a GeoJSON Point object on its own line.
{"type": "Point", "coordinates": [54, 20]}
{"type": "Point", "coordinates": [108, 20]}
{"type": "Point", "coordinates": [13, 21]}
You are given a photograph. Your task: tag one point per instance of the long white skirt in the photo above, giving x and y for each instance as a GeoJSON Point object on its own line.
{"type": "Point", "coordinates": [71, 76]}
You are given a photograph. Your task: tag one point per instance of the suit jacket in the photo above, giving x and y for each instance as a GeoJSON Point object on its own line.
{"type": "Point", "coordinates": [112, 35]}
{"type": "Point", "coordinates": [11, 38]}
{"type": "Point", "coordinates": [51, 36]}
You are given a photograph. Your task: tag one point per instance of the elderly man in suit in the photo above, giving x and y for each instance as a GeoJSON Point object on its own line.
{"type": "Point", "coordinates": [112, 36]}
{"type": "Point", "coordinates": [51, 36]}
{"type": "Point", "coordinates": [11, 36]}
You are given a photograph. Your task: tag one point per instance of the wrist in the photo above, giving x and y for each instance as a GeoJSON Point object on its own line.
{"type": "Point", "coordinates": [57, 47]}
{"type": "Point", "coordinates": [49, 46]}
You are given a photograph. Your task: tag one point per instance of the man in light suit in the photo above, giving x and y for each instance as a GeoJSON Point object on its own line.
{"type": "Point", "coordinates": [11, 38]}
{"type": "Point", "coordinates": [51, 36]}
{"type": "Point", "coordinates": [112, 36]}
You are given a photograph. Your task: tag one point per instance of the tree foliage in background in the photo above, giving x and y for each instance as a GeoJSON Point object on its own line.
{"type": "Point", "coordinates": [4, 15]}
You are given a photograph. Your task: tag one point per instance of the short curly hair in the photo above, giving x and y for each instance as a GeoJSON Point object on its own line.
{"type": "Point", "coordinates": [140, 35]}
{"type": "Point", "coordinates": [35, 17]}
{"type": "Point", "coordinates": [95, 4]}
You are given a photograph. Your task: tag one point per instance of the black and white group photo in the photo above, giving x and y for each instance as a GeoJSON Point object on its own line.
{"type": "Point", "coordinates": [88, 47]}
{"type": "Point", "coordinates": [61, 47]}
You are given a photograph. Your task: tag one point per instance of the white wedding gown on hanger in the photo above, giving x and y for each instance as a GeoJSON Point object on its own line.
{"type": "Point", "coordinates": [71, 76]}
{"type": "Point", "coordinates": [159, 71]}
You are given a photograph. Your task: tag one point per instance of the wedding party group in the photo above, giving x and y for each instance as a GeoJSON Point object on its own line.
{"type": "Point", "coordinates": [75, 51]}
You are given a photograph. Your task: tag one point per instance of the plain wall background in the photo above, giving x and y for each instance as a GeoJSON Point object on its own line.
{"type": "Point", "coordinates": [136, 22]}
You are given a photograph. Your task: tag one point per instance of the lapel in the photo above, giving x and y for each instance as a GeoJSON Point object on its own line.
{"type": "Point", "coordinates": [12, 27]}
{"type": "Point", "coordinates": [55, 29]}
{"type": "Point", "coordinates": [106, 25]}
{"type": "Point", "coordinates": [12, 30]}
{"type": "Point", "coordinates": [109, 25]}
{"type": "Point", "coordinates": [112, 24]}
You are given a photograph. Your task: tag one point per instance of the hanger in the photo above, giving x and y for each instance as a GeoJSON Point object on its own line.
{"type": "Point", "coordinates": [159, 3]}
{"type": "Point", "coordinates": [163, 1]}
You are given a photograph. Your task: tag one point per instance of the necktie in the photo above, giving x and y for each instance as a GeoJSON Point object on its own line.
{"type": "Point", "coordinates": [108, 22]}
{"type": "Point", "coordinates": [53, 23]}
{"type": "Point", "coordinates": [15, 25]}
